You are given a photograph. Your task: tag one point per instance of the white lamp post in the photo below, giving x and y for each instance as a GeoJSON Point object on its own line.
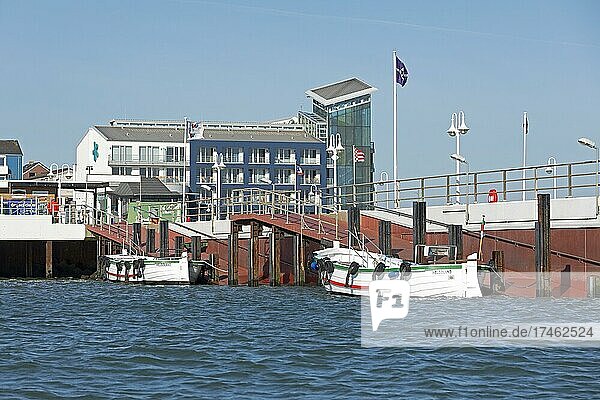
{"type": "Point", "coordinates": [551, 169]}
{"type": "Point", "coordinates": [592, 145]}
{"type": "Point", "coordinates": [212, 207]}
{"type": "Point", "coordinates": [270, 182]}
{"type": "Point", "coordinates": [383, 177]}
{"type": "Point", "coordinates": [461, 159]}
{"type": "Point", "coordinates": [335, 147]}
{"type": "Point", "coordinates": [458, 127]}
{"type": "Point", "coordinates": [218, 166]}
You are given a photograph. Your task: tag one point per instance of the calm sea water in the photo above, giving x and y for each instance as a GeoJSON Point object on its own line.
{"type": "Point", "coordinates": [77, 339]}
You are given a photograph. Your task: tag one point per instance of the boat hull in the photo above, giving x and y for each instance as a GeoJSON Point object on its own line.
{"type": "Point", "coordinates": [149, 270]}
{"type": "Point", "coordinates": [452, 280]}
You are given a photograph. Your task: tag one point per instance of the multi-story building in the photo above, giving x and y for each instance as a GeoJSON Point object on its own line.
{"type": "Point", "coordinates": [344, 108]}
{"type": "Point", "coordinates": [122, 149]}
{"type": "Point", "coordinates": [11, 160]}
{"type": "Point", "coordinates": [246, 155]}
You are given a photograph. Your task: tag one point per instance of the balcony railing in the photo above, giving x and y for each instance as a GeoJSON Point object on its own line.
{"type": "Point", "coordinates": [151, 161]}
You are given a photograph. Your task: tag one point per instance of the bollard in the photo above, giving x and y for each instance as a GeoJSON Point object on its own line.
{"type": "Point", "coordinates": [419, 228]}
{"type": "Point", "coordinates": [542, 248]}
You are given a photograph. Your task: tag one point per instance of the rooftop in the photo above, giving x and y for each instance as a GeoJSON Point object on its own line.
{"type": "Point", "coordinates": [340, 91]}
{"type": "Point", "coordinates": [141, 133]}
{"type": "Point", "coordinates": [255, 132]}
{"type": "Point", "coordinates": [10, 146]}
{"type": "Point", "coordinates": [151, 187]}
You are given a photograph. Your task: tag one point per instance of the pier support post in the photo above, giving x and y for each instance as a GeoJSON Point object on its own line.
{"type": "Point", "coordinates": [298, 260]}
{"type": "Point", "coordinates": [419, 227]}
{"type": "Point", "coordinates": [353, 225]}
{"type": "Point", "coordinates": [385, 237]}
{"type": "Point", "coordinates": [455, 239]}
{"type": "Point", "coordinates": [253, 264]}
{"type": "Point", "coordinates": [178, 245]}
{"type": "Point", "coordinates": [275, 257]}
{"type": "Point", "coordinates": [542, 246]}
{"type": "Point", "coordinates": [196, 247]}
{"type": "Point", "coordinates": [137, 233]}
{"type": "Point", "coordinates": [49, 273]}
{"type": "Point", "coordinates": [497, 282]}
{"type": "Point", "coordinates": [150, 240]}
{"type": "Point", "coordinates": [163, 230]}
{"type": "Point", "coordinates": [232, 265]}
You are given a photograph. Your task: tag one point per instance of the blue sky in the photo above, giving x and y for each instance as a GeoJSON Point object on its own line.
{"type": "Point", "coordinates": [68, 65]}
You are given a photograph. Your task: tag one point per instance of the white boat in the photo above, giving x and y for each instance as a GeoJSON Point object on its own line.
{"type": "Point", "coordinates": [349, 271]}
{"type": "Point", "coordinates": [149, 270]}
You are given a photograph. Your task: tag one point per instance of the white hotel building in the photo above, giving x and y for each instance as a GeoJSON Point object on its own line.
{"type": "Point", "coordinates": [124, 150]}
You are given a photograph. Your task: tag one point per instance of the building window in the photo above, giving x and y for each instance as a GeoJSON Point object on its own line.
{"type": "Point", "coordinates": [149, 154]}
{"type": "Point", "coordinates": [284, 176]}
{"type": "Point", "coordinates": [259, 156]}
{"type": "Point", "coordinates": [311, 156]}
{"type": "Point", "coordinates": [175, 154]}
{"type": "Point", "coordinates": [312, 177]}
{"type": "Point", "coordinates": [121, 153]}
{"type": "Point", "coordinates": [285, 156]}
{"type": "Point", "coordinates": [121, 170]}
{"type": "Point", "coordinates": [257, 174]}
{"type": "Point", "coordinates": [233, 175]}
{"type": "Point", "coordinates": [205, 155]}
{"type": "Point", "coordinates": [233, 155]}
{"type": "Point", "coordinates": [204, 175]}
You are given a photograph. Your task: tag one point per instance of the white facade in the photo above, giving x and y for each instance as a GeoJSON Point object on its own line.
{"type": "Point", "coordinates": [125, 160]}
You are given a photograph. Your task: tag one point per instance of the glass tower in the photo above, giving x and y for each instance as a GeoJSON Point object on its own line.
{"type": "Point", "coordinates": [345, 107]}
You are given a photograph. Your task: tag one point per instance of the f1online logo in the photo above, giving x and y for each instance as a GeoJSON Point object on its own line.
{"type": "Point", "coordinates": [389, 300]}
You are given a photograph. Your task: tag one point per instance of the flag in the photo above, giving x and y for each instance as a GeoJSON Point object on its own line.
{"type": "Point", "coordinates": [401, 72]}
{"type": "Point", "coordinates": [359, 155]}
{"type": "Point", "coordinates": [525, 124]}
{"type": "Point", "coordinates": [299, 170]}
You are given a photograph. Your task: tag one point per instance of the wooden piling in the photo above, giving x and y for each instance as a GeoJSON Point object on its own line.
{"type": "Point", "coordinates": [163, 230]}
{"type": "Point", "coordinates": [455, 238]}
{"type": "Point", "coordinates": [354, 225]}
{"type": "Point", "coordinates": [496, 282]}
{"type": "Point", "coordinates": [253, 258]}
{"type": "Point", "coordinates": [419, 228]}
{"type": "Point", "coordinates": [233, 250]}
{"type": "Point", "coordinates": [178, 245]}
{"type": "Point", "coordinates": [49, 272]}
{"type": "Point", "coordinates": [565, 279]}
{"type": "Point", "coordinates": [150, 240]}
{"type": "Point", "coordinates": [385, 237]}
{"type": "Point", "coordinates": [542, 248]}
{"type": "Point", "coordinates": [137, 233]}
{"type": "Point", "coordinates": [275, 257]}
{"type": "Point", "coordinates": [196, 247]}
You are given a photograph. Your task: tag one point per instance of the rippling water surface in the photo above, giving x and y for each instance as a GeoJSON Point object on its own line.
{"type": "Point", "coordinates": [62, 339]}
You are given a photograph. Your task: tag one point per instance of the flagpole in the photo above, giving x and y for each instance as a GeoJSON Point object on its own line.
{"type": "Point", "coordinates": [525, 128]}
{"type": "Point", "coordinates": [354, 174]}
{"type": "Point", "coordinates": [395, 130]}
{"type": "Point", "coordinates": [185, 130]}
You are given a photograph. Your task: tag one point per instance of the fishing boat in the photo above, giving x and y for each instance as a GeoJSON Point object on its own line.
{"type": "Point", "coordinates": [350, 271]}
{"type": "Point", "coordinates": [149, 270]}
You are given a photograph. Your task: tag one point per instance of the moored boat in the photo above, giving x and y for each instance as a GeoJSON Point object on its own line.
{"type": "Point", "coordinates": [149, 270]}
{"type": "Point", "coordinates": [349, 271]}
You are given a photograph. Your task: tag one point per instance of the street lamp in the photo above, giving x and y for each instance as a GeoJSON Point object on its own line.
{"type": "Point", "coordinates": [458, 127]}
{"type": "Point", "coordinates": [218, 166]}
{"type": "Point", "coordinates": [592, 145]}
{"type": "Point", "coordinates": [383, 178]}
{"type": "Point", "coordinates": [335, 147]}
{"type": "Point", "coordinates": [551, 169]}
{"type": "Point", "coordinates": [270, 182]}
{"type": "Point", "coordinates": [212, 207]}
{"type": "Point", "coordinates": [461, 159]}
